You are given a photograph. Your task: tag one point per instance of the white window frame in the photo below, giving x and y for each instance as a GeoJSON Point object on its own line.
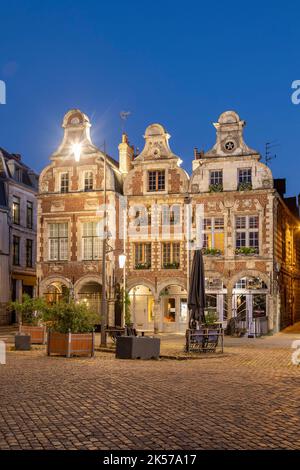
{"type": "Point", "coordinates": [91, 242]}
{"type": "Point", "coordinates": [247, 230]}
{"type": "Point", "coordinates": [59, 243]}
{"type": "Point", "coordinates": [212, 231]}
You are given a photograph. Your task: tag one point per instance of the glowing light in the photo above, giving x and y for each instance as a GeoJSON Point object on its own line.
{"type": "Point", "coordinates": [122, 260]}
{"type": "Point", "coordinates": [76, 149]}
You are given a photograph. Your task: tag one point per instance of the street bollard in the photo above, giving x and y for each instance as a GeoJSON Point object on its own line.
{"type": "Point", "coordinates": [2, 353]}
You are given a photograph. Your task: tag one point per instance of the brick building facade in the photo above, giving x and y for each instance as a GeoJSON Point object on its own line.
{"type": "Point", "coordinates": [230, 204]}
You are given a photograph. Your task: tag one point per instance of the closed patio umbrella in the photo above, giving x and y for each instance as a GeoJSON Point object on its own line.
{"type": "Point", "coordinates": [196, 298]}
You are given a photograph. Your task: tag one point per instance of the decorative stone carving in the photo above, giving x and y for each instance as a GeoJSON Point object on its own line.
{"type": "Point", "coordinates": [91, 204]}
{"type": "Point", "coordinates": [90, 267]}
{"type": "Point", "coordinates": [58, 206]}
{"type": "Point", "coordinates": [55, 268]}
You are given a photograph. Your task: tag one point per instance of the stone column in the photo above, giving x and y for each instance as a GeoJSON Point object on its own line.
{"type": "Point", "coordinates": [229, 302]}
{"type": "Point", "coordinates": [111, 312]}
{"type": "Point", "coordinates": [156, 310]}
{"type": "Point", "coordinates": [19, 291]}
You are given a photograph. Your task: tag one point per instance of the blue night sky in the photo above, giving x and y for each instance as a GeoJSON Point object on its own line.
{"type": "Point", "coordinates": [177, 63]}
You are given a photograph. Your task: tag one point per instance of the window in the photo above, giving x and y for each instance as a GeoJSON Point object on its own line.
{"type": "Point", "coordinates": [171, 255]}
{"type": "Point", "coordinates": [16, 210]}
{"type": "Point", "coordinates": [91, 241]}
{"type": "Point", "coordinates": [142, 218]}
{"type": "Point", "coordinates": [216, 177]}
{"type": "Point", "coordinates": [88, 180]}
{"type": "Point", "coordinates": [156, 180]}
{"type": "Point", "coordinates": [29, 214]}
{"type": "Point", "coordinates": [29, 251]}
{"type": "Point", "coordinates": [170, 215]}
{"type": "Point", "coordinates": [16, 250]}
{"type": "Point", "coordinates": [213, 233]}
{"type": "Point", "coordinates": [142, 255]}
{"type": "Point", "coordinates": [64, 183]}
{"type": "Point", "coordinates": [245, 175]}
{"type": "Point", "coordinates": [19, 174]}
{"type": "Point", "coordinates": [247, 232]}
{"type": "Point", "coordinates": [58, 242]}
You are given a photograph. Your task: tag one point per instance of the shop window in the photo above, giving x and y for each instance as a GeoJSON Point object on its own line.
{"type": "Point", "coordinates": [170, 310]}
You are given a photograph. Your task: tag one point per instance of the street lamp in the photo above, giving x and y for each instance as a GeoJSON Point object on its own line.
{"type": "Point", "coordinates": [122, 265]}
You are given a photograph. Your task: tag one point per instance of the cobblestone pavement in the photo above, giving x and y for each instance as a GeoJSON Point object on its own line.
{"type": "Point", "coordinates": [247, 399]}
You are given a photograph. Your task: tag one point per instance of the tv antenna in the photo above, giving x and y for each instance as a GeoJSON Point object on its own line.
{"type": "Point", "coordinates": [269, 149]}
{"type": "Point", "coordinates": [124, 116]}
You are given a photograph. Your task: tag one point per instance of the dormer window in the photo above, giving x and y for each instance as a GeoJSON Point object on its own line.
{"type": "Point", "coordinates": [88, 181]}
{"type": "Point", "coordinates": [64, 183]}
{"type": "Point", "coordinates": [156, 180]}
{"type": "Point", "coordinates": [18, 174]}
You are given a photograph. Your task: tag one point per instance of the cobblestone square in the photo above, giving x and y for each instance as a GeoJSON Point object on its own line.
{"type": "Point", "coordinates": [246, 399]}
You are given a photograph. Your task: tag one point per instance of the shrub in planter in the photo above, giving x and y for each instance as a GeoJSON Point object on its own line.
{"type": "Point", "coordinates": [174, 265]}
{"type": "Point", "coordinates": [71, 329]}
{"type": "Point", "coordinates": [216, 188]}
{"type": "Point", "coordinates": [210, 318]}
{"type": "Point", "coordinates": [211, 251]}
{"type": "Point", "coordinates": [246, 250]}
{"type": "Point", "coordinates": [142, 266]}
{"type": "Point", "coordinates": [245, 186]}
{"type": "Point", "coordinates": [30, 312]}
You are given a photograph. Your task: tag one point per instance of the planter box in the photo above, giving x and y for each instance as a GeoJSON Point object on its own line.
{"type": "Point", "coordinates": [22, 342]}
{"type": "Point", "coordinates": [37, 333]}
{"type": "Point", "coordinates": [137, 347]}
{"type": "Point", "coordinates": [71, 344]}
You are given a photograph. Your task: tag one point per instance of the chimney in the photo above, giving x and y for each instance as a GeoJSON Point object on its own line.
{"type": "Point", "coordinates": [126, 153]}
{"type": "Point", "coordinates": [197, 156]}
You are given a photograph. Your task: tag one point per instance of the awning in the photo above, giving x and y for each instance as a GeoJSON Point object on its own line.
{"type": "Point", "coordinates": [27, 280]}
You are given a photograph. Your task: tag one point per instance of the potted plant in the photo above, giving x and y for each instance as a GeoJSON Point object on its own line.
{"type": "Point", "coordinates": [216, 188]}
{"type": "Point", "coordinates": [71, 329]}
{"type": "Point", "coordinates": [246, 250]}
{"type": "Point", "coordinates": [143, 266]}
{"type": "Point", "coordinates": [245, 186]}
{"type": "Point", "coordinates": [210, 318]}
{"type": "Point", "coordinates": [30, 312]}
{"type": "Point", "coordinates": [212, 251]}
{"type": "Point", "coordinates": [173, 265]}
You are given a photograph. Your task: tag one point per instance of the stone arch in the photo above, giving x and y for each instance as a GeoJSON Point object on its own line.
{"type": "Point", "coordinates": [171, 282]}
{"type": "Point", "coordinates": [248, 273]}
{"type": "Point", "coordinates": [85, 280]}
{"type": "Point", "coordinates": [51, 280]}
{"type": "Point", "coordinates": [141, 282]}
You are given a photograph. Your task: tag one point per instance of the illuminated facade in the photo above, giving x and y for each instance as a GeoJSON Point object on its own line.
{"type": "Point", "coordinates": [249, 231]}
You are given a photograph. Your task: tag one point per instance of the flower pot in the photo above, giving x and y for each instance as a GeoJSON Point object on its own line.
{"type": "Point", "coordinates": [37, 333]}
{"type": "Point", "coordinates": [71, 344]}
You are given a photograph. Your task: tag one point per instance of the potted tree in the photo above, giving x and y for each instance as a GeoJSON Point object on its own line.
{"type": "Point", "coordinates": [71, 329]}
{"type": "Point", "coordinates": [30, 312]}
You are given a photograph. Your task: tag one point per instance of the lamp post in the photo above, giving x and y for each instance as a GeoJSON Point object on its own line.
{"type": "Point", "coordinates": [104, 251]}
{"type": "Point", "coordinates": [122, 265]}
